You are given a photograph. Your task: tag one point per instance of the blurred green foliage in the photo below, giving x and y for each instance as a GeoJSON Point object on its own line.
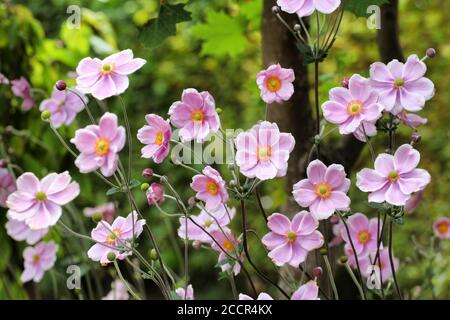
{"type": "Point", "coordinates": [219, 51]}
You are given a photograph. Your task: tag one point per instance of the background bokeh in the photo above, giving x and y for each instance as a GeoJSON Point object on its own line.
{"type": "Point", "coordinates": [218, 51]}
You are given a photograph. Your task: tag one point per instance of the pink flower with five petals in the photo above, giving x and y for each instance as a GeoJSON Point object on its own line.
{"type": "Point", "coordinates": [275, 84]}
{"type": "Point", "coordinates": [210, 188]}
{"type": "Point", "coordinates": [305, 8]}
{"type": "Point", "coordinates": [308, 291]}
{"type": "Point", "coordinates": [156, 136]}
{"type": "Point", "coordinates": [441, 228]}
{"type": "Point", "coordinates": [22, 89]}
{"type": "Point", "coordinates": [363, 233]}
{"type": "Point", "coordinates": [37, 260]}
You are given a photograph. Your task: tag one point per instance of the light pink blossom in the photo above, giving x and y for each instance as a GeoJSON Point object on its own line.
{"type": "Point", "coordinates": [367, 267]}
{"type": "Point", "coordinates": [107, 77]}
{"type": "Point", "coordinates": [99, 145]}
{"type": "Point", "coordinates": [21, 88]}
{"type": "Point", "coordinates": [185, 294]}
{"type": "Point", "coordinates": [195, 115]}
{"type": "Point", "coordinates": [402, 85]}
{"type": "Point", "coordinates": [363, 233]}
{"type": "Point", "coordinates": [225, 241]}
{"type": "Point", "coordinates": [411, 120]}
{"type": "Point", "coordinates": [261, 296]}
{"type": "Point", "coordinates": [395, 177]}
{"type": "Point", "coordinates": [337, 232]}
{"type": "Point", "coordinates": [351, 107]}
{"type": "Point", "coordinates": [114, 238]}
{"type": "Point", "coordinates": [107, 210]}
{"type": "Point", "coordinates": [155, 194]}
{"type": "Point", "coordinates": [305, 8]}
{"type": "Point", "coordinates": [263, 152]}
{"type": "Point", "coordinates": [275, 84]}
{"type": "Point", "coordinates": [441, 228]}
{"type": "Point", "coordinates": [156, 136]}
{"type": "Point", "coordinates": [64, 106]}
{"type": "Point", "coordinates": [210, 188]}
{"type": "Point", "coordinates": [365, 128]}
{"type": "Point", "coordinates": [289, 242]}
{"type": "Point", "coordinates": [413, 202]}
{"type": "Point", "coordinates": [38, 203]}
{"type": "Point", "coordinates": [308, 291]}
{"type": "Point", "coordinates": [3, 79]}
{"type": "Point", "coordinates": [210, 221]}
{"type": "Point", "coordinates": [324, 191]}
{"type": "Point", "coordinates": [7, 186]}
{"type": "Point", "coordinates": [20, 231]}
{"type": "Point", "coordinates": [118, 291]}
{"type": "Point", "coordinates": [37, 260]}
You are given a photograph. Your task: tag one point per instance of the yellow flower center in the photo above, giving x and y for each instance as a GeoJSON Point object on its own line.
{"type": "Point", "coordinates": [273, 84]}
{"type": "Point", "coordinates": [264, 153]}
{"type": "Point", "coordinates": [354, 107]}
{"type": "Point", "coordinates": [113, 236]}
{"type": "Point", "coordinates": [35, 258]}
{"type": "Point", "coordinates": [40, 196]}
{"type": "Point", "coordinates": [363, 237]}
{"type": "Point", "coordinates": [107, 68]}
{"type": "Point", "coordinates": [208, 223]}
{"type": "Point", "coordinates": [197, 116]}
{"type": "Point", "coordinates": [228, 245]}
{"type": "Point", "coordinates": [212, 188]}
{"type": "Point", "coordinates": [291, 236]}
{"type": "Point", "coordinates": [159, 138]}
{"type": "Point", "coordinates": [393, 176]}
{"type": "Point", "coordinates": [398, 83]}
{"type": "Point", "coordinates": [442, 228]}
{"type": "Point", "coordinates": [101, 146]}
{"type": "Point", "coordinates": [323, 190]}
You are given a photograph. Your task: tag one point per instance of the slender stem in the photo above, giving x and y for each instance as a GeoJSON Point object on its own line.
{"type": "Point", "coordinates": [391, 261]}
{"type": "Point", "coordinates": [355, 281]}
{"type": "Point", "coordinates": [377, 256]}
{"type": "Point", "coordinates": [84, 103]}
{"type": "Point", "coordinates": [372, 152]}
{"type": "Point", "coordinates": [261, 208]}
{"type": "Point", "coordinates": [129, 137]}
{"type": "Point", "coordinates": [135, 295]}
{"type": "Point", "coordinates": [316, 102]}
{"type": "Point", "coordinates": [331, 277]}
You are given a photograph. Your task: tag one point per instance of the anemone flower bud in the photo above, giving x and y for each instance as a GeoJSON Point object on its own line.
{"type": "Point", "coordinates": [345, 81]}
{"type": "Point", "coordinates": [275, 9]}
{"type": "Point", "coordinates": [61, 85]}
{"type": "Point", "coordinates": [155, 194]}
{"type": "Point", "coordinates": [153, 255]}
{"type": "Point", "coordinates": [3, 163]}
{"type": "Point", "coordinates": [147, 173]}
{"type": "Point", "coordinates": [343, 259]}
{"type": "Point", "coordinates": [415, 137]}
{"type": "Point", "coordinates": [97, 217]}
{"type": "Point", "coordinates": [297, 27]}
{"type": "Point", "coordinates": [317, 272]}
{"type": "Point", "coordinates": [111, 256]}
{"type": "Point", "coordinates": [431, 53]}
{"type": "Point", "coordinates": [45, 115]}
{"type": "Point", "coordinates": [145, 186]}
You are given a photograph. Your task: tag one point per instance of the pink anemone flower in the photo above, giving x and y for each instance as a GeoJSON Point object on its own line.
{"type": "Point", "coordinates": [99, 145]}
{"type": "Point", "coordinates": [226, 242]}
{"type": "Point", "coordinates": [275, 84]}
{"type": "Point", "coordinates": [118, 291]}
{"type": "Point", "coordinates": [21, 88]}
{"type": "Point", "coordinates": [290, 241]}
{"type": "Point", "coordinates": [368, 268]}
{"type": "Point", "coordinates": [263, 152]}
{"type": "Point", "coordinates": [155, 194]}
{"type": "Point", "coordinates": [402, 85]}
{"type": "Point", "coordinates": [395, 177]}
{"type": "Point", "coordinates": [363, 233]}
{"type": "Point", "coordinates": [20, 231]}
{"type": "Point", "coordinates": [38, 259]}
{"type": "Point", "coordinates": [349, 108]}
{"type": "Point", "coordinates": [108, 77]}
{"type": "Point", "coordinates": [195, 115]}
{"type": "Point", "coordinates": [107, 210]}
{"type": "Point", "coordinates": [441, 228]}
{"type": "Point", "coordinates": [210, 188]}
{"type": "Point", "coordinates": [156, 137]}
{"type": "Point", "coordinates": [114, 238]}
{"type": "Point", "coordinates": [411, 120]}
{"type": "Point", "coordinates": [261, 296]}
{"type": "Point", "coordinates": [7, 186]}
{"type": "Point", "coordinates": [64, 106]}
{"type": "Point", "coordinates": [38, 203]}
{"type": "Point", "coordinates": [305, 8]}
{"type": "Point", "coordinates": [308, 291]}
{"type": "Point", "coordinates": [185, 293]}
{"type": "Point", "coordinates": [324, 191]}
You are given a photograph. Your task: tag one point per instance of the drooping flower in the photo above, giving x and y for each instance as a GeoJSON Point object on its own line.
{"type": "Point", "coordinates": [411, 120]}
{"type": "Point", "coordinates": [263, 152]}
{"type": "Point", "coordinates": [20, 231]}
{"type": "Point", "coordinates": [185, 294]}
{"type": "Point", "coordinates": [195, 115]}
{"type": "Point", "coordinates": [275, 84]}
{"type": "Point", "coordinates": [155, 194]}
{"type": "Point", "coordinates": [363, 233]}
{"type": "Point", "coordinates": [115, 238]}
{"type": "Point", "coordinates": [402, 85]}
{"type": "Point", "coordinates": [210, 221]}
{"type": "Point", "coordinates": [21, 88]}
{"type": "Point", "coordinates": [324, 191]}
{"type": "Point", "coordinates": [7, 186]}
{"type": "Point", "coordinates": [289, 242]}
{"type": "Point", "coordinates": [305, 8]}
{"type": "Point", "coordinates": [37, 260]}
{"type": "Point", "coordinates": [308, 291]}
{"type": "Point", "coordinates": [156, 136]}
{"type": "Point", "coordinates": [441, 228]}
{"type": "Point", "coordinates": [367, 265]}
{"type": "Point", "coordinates": [107, 77]}
{"type": "Point", "coordinates": [38, 203]}
{"type": "Point", "coordinates": [99, 145]}
{"type": "Point", "coordinates": [107, 210]}
{"type": "Point", "coordinates": [226, 242]}
{"type": "Point", "coordinates": [64, 106]}
{"type": "Point", "coordinates": [395, 177]}
{"type": "Point", "coordinates": [261, 296]}
{"type": "Point", "coordinates": [351, 107]}
{"type": "Point", "coordinates": [210, 188]}
{"type": "Point", "coordinates": [414, 201]}
{"type": "Point", "coordinates": [118, 291]}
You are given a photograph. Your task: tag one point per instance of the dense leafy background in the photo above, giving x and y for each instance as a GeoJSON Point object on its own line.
{"type": "Point", "coordinates": [217, 50]}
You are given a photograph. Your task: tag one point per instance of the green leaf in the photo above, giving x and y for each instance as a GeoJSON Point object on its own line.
{"type": "Point", "coordinates": [157, 30]}
{"type": "Point", "coordinates": [359, 7]}
{"type": "Point", "coordinates": [113, 190]}
{"type": "Point", "coordinates": [134, 183]}
{"type": "Point", "coordinates": [222, 35]}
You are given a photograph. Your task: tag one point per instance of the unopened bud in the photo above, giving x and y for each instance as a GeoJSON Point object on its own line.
{"type": "Point", "coordinates": [343, 259]}
{"type": "Point", "coordinates": [147, 173]}
{"type": "Point", "coordinates": [192, 201]}
{"type": "Point", "coordinates": [219, 110]}
{"type": "Point", "coordinates": [323, 251]}
{"type": "Point", "coordinates": [153, 254]}
{"type": "Point", "coordinates": [334, 219]}
{"type": "Point", "coordinates": [145, 186]}
{"type": "Point", "coordinates": [275, 9]}
{"type": "Point", "coordinates": [196, 244]}
{"type": "Point", "coordinates": [297, 27]}
{"type": "Point", "coordinates": [45, 115]}
{"type": "Point", "coordinates": [97, 217]}
{"type": "Point", "coordinates": [317, 272]}
{"type": "Point", "coordinates": [415, 137]}
{"type": "Point", "coordinates": [345, 82]}
{"type": "Point", "coordinates": [431, 53]}
{"type": "Point", "coordinates": [61, 85]}
{"type": "Point", "coordinates": [111, 256]}
{"type": "Point", "coordinates": [3, 163]}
